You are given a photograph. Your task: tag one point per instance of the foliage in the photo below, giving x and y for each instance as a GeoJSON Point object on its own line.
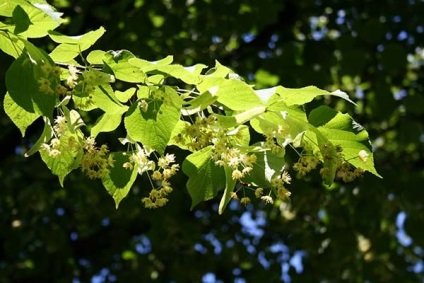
{"type": "Point", "coordinates": [366, 231]}
{"type": "Point", "coordinates": [205, 111]}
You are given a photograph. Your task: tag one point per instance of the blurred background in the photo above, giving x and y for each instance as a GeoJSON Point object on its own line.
{"type": "Point", "coordinates": [371, 230]}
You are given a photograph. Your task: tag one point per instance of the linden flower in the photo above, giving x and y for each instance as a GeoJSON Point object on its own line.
{"type": "Point", "coordinates": [143, 105]}
{"type": "Point", "coordinates": [141, 162]}
{"type": "Point", "coordinates": [54, 153]}
{"type": "Point", "coordinates": [286, 177]}
{"type": "Point", "coordinates": [71, 80]}
{"type": "Point", "coordinates": [156, 175]}
{"type": "Point", "coordinates": [267, 199]}
{"type": "Point", "coordinates": [55, 143]}
{"type": "Point", "coordinates": [164, 161]}
{"type": "Point", "coordinates": [236, 174]}
{"type": "Point", "coordinates": [259, 192]}
{"type": "Point", "coordinates": [245, 201]}
{"type": "Point", "coordinates": [363, 155]}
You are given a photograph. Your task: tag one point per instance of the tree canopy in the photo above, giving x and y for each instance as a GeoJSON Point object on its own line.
{"type": "Point", "coordinates": [367, 230]}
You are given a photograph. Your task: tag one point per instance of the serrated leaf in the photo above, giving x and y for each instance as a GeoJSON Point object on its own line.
{"type": "Point", "coordinates": [342, 130]}
{"type": "Point", "coordinates": [154, 127]}
{"type": "Point", "coordinates": [267, 165]}
{"type": "Point", "coordinates": [240, 118]}
{"type": "Point", "coordinates": [22, 84]}
{"type": "Point", "coordinates": [45, 136]}
{"type": "Point", "coordinates": [232, 93]}
{"type": "Point", "coordinates": [229, 188]}
{"type": "Point", "coordinates": [106, 123]}
{"type": "Point", "coordinates": [124, 96]}
{"type": "Point", "coordinates": [120, 180]}
{"type": "Point", "coordinates": [117, 61]}
{"type": "Point", "coordinates": [300, 96]}
{"type": "Point", "coordinates": [199, 103]}
{"type": "Point", "coordinates": [171, 96]}
{"type": "Point", "coordinates": [178, 130]}
{"type": "Point", "coordinates": [71, 46]}
{"type": "Point", "coordinates": [43, 18]}
{"type": "Point", "coordinates": [67, 160]}
{"type": "Point", "coordinates": [189, 75]}
{"type": "Point", "coordinates": [104, 97]}
{"type": "Point", "coordinates": [219, 70]}
{"type": "Point", "coordinates": [205, 179]}
{"type": "Point", "coordinates": [96, 57]}
{"type": "Point", "coordinates": [95, 77]}
{"type": "Point", "coordinates": [21, 20]}
{"type": "Point", "coordinates": [148, 66]}
{"type": "Point", "coordinates": [19, 116]}
{"type": "Point", "coordinates": [291, 125]}
{"type": "Point", "coordinates": [292, 119]}
{"type": "Point", "coordinates": [11, 45]}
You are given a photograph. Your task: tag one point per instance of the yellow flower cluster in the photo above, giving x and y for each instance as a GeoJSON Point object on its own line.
{"type": "Point", "coordinates": [203, 132]}
{"type": "Point", "coordinates": [53, 148]}
{"type": "Point", "coordinates": [306, 163]}
{"type": "Point", "coordinates": [158, 196]}
{"type": "Point", "coordinates": [348, 173]}
{"type": "Point", "coordinates": [271, 137]}
{"type": "Point", "coordinates": [277, 187]}
{"type": "Point", "coordinates": [240, 162]}
{"type": "Point", "coordinates": [60, 127]}
{"type": "Point", "coordinates": [49, 82]}
{"type": "Point", "coordinates": [96, 161]}
{"type": "Point", "coordinates": [140, 160]}
{"type": "Point", "coordinates": [161, 172]}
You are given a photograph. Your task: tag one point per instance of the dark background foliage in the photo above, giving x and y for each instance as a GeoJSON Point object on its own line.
{"type": "Point", "coordinates": [369, 231]}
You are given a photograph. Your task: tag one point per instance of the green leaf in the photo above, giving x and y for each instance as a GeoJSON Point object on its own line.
{"type": "Point", "coordinates": [205, 179]}
{"type": "Point", "coordinates": [106, 123]}
{"type": "Point", "coordinates": [43, 18]}
{"type": "Point", "coordinates": [229, 188]}
{"type": "Point", "coordinates": [178, 130]}
{"type": "Point", "coordinates": [120, 180]}
{"type": "Point", "coordinates": [291, 119]}
{"type": "Point", "coordinates": [267, 165]}
{"type": "Point", "coordinates": [21, 20]}
{"type": "Point", "coordinates": [10, 44]}
{"type": "Point", "coordinates": [96, 57]}
{"type": "Point", "coordinates": [124, 96]}
{"type": "Point", "coordinates": [19, 116]}
{"type": "Point", "coordinates": [95, 77]}
{"type": "Point", "coordinates": [148, 66]}
{"type": "Point", "coordinates": [104, 97]}
{"type": "Point", "coordinates": [117, 61]}
{"type": "Point", "coordinates": [292, 126]}
{"type": "Point", "coordinates": [240, 118]}
{"type": "Point", "coordinates": [45, 136]}
{"type": "Point", "coordinates": [341, 129]}
{"type": "Point", "coordinates": [300, 96]}
{"type": "Point", "coordinates": [190, 75]}
{"type": "Point", "coordinates": [199, 103]}
{"type": "Point", "coordinates": [154, 127]}
{"type": "Point", "coordinates": [41, 15]}
{"type": "Point", "coordinates": [219, 70]}
{"type": "Point", "coordinates": [71, 46]}
{"type": "Point", "coordinates": [22, 84]}
{"type": "Point", "coordinates": [232, 93]}
{"type": "Point", "coordinates": [68, 158]}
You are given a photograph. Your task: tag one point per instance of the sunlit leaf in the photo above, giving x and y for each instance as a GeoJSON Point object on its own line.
{"type": "Point", "coordinates": [205, 178]}
{"type": "Point", "coordinates": [20, 117]}
{"type": "Point", "coordinates": [120, 180]}
{"type": "Point", "coordinates": [154, 127]}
